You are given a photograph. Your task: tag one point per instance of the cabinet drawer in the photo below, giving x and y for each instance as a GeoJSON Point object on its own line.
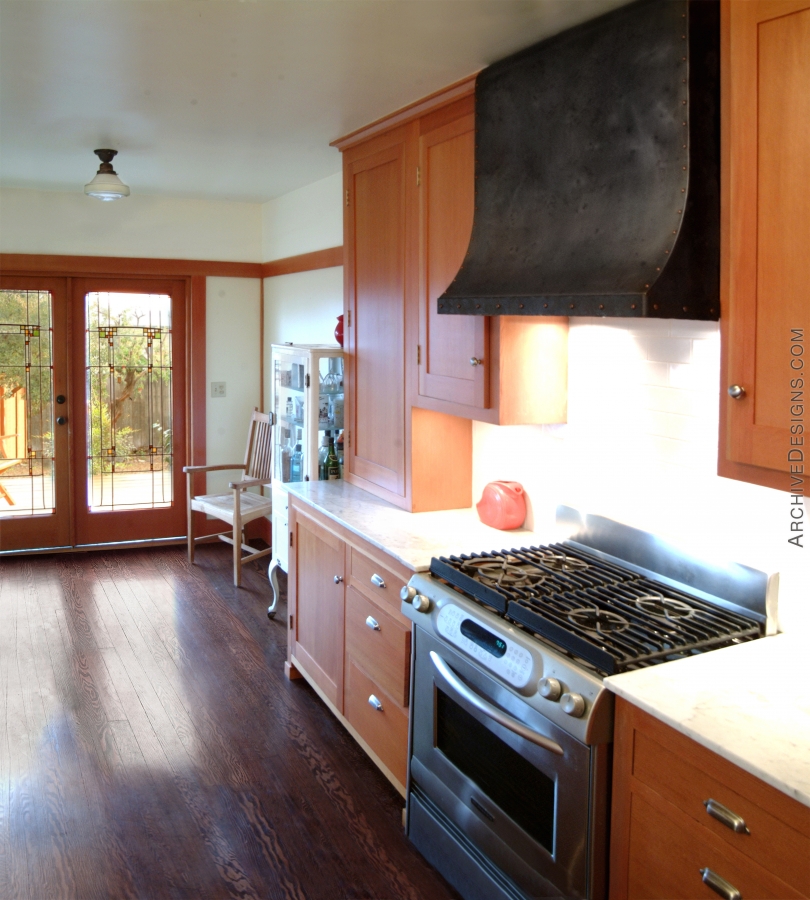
{"type": "Point", "coordinates": [688, 783]}
{"type": "Point", "coordinates": [384, 730]}
{"type": "Point", "coordinates": [669, 849]}
{"type": "Point", "coordinates": [362, 570]}
{"type": "Point", "coordinates": [385, 651]}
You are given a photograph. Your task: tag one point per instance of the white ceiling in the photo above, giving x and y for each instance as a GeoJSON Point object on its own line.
{"type": "Point", "coordinates": [232, 99]}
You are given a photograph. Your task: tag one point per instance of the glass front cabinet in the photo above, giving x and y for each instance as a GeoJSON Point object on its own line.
{"type": "Point", "coordinates": [306, 401]}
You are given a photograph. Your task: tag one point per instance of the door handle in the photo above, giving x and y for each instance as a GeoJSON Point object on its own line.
{"type": "Point", "coordinates": [491, 711]}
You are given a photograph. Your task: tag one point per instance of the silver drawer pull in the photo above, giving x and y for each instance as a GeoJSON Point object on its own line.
{"type": "Point", "coordinates": [726, 816]}
{"type": "Point", "coordinates": [372, 623]}
{"type": "Point", "coordinates": [720, 885]}
{"type": "Point", "coordinates": [373, 701]}
{"type": "Point", "coordinates": [377, 580]}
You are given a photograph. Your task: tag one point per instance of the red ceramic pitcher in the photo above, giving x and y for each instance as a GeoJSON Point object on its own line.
{"type": "Point", "coordinates": [502, 505]}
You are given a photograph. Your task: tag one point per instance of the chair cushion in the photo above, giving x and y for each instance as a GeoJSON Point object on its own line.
{"type": "Point", "coordinates": [221, 506]}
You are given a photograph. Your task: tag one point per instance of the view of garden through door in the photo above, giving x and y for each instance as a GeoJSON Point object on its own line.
{"type": "Point", "coordinates": [92, 411]}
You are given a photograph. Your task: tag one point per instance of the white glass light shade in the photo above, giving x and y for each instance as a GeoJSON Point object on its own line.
{"type": "Point", "coordinates": [106, 186]}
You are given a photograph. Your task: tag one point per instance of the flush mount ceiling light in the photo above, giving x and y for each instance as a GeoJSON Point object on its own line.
{"type": "Point", "coordinates": [106, 185]}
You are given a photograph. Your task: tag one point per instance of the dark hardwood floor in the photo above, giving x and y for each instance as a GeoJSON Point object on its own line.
{"type": "Point", "coordinates": [150, 746]}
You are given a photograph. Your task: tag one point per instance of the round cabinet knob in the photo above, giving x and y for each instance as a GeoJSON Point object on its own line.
{"type": "Point", "coordinates": [550, 688]}
{"type": "Point", "coordinates": [573, 705]}
{"type": "Point", "coordinates": [338, 579]}
{"type": "Point", "coordinates": [736, 392]}
{"type": "Point", "coordinates": [60, 399]}
{"type": "Point", "coordinates": [421, 603]}
{"type": "Point", "coordinates": [475, 361]}
{"type": "Point", "coordinates": [407, 593]}
{"type": "Point", "coordinates": [61, 420]}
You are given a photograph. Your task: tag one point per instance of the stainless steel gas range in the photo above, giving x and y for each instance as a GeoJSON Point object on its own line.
{"type": "Point", "coordinates": [511, 725]}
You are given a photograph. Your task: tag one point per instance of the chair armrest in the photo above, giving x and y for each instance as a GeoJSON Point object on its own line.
{"type": "Point", "coordinates": [248, 483]}
{"type": "Point", "coordinates": [189, 469]}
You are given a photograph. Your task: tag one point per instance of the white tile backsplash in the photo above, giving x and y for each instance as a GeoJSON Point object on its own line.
{"type": "Point", "coordinates": [640, 446]}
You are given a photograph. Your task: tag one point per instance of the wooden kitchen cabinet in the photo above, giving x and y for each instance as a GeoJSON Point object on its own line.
{"type": "Point", "coordinates": [765, 236]}
{"type": "Point", "coordinates": [348, 638]}
{"type": "Point", "coordinates": [507, 370]}
{"type": "Point", "coordinates": [317, 559]}
{"type": "Point", "coordinates": [662, 835]}
{"type": "Point", "coordinates": [411, 388]}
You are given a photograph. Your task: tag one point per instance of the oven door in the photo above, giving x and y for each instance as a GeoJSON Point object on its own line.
{"type": "Point", "coordinates": [522, 805]}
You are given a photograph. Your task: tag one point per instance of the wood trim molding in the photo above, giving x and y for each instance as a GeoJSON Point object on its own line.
{"type": "Point", "coordinates": [43, 264]}
{"type": "Point", "coordinates": [410, 112]}
{"type": "Point", "coordinates": [304, 262]}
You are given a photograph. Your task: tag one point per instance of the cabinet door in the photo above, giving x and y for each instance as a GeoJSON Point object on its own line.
{"type": "Point", "coordinates": [375, 229]}
{"type": "Point", "coordinates": [448, 344]}
{"type": "Point", "coordinates": [768, 173]}
{"type": "Point", "coordinates": [318, 602]}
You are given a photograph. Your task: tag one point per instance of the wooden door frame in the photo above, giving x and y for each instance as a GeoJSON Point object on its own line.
{"type": "Point", "coordinates": [193, 274]}
{"type": "Point", "coordinates": [144, 524]}
{"type": "Point", "coordinates": [57, 527]}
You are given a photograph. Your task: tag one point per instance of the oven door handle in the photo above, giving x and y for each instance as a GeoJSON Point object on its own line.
{"type": "Point", "coordinates": [491, 711]}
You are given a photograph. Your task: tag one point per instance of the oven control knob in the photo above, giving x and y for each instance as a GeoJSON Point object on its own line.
{"type": "Point", "coordinates": [550, 688]}
{"type": "Point", "coordinates": [407, 593]}
{"type": "Point", "coordinates": [573, 705]}
{"type": "Point", "coordinates": [421, 603]}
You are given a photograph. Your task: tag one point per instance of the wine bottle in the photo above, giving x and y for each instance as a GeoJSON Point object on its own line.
{"type": "Point", "coordinates": [332, 464]}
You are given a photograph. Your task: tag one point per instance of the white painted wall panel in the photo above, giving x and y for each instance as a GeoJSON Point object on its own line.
{"type": "Point", "coordinates": [232, 355]}
{"type": "Point", "coordinates": [301, 308]}
{"type": "Point", "coordinates": [140, 226]}
{"type": "Point", "coordinates": [305, 220]}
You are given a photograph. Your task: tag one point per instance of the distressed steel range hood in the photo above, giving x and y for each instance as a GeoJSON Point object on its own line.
{"type": "Point", "coordinates": [597, 182]}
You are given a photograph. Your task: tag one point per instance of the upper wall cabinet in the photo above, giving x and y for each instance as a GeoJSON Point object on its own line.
{"type": "Point", "coordinates": [766, 236]}
{"type": "Point", "coordinates": [508, 371]}
{"type": "Point", "coordinates": [418, 459]}
{"type": "Point", "coordinates": [415, 379]}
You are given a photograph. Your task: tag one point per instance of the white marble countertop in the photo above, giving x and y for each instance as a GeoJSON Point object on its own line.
{"type": "Point", "coordinates": [749, 703]}
{"type": "Point", "coordinates": [412, 538]}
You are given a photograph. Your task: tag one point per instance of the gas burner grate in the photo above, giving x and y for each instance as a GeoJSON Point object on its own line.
{"type": "Point", "coordinates": [608, 616]}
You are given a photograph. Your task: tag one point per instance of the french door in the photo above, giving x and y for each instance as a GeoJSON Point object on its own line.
{"type": "Point", "coordinates": [92, 411]}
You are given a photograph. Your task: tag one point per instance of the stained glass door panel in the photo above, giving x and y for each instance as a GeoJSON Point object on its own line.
{"type": "Point", "coordinates": [34, 457]}
{"type": "Point", "coordinates": [131, 377]}
{"type": "Point", "coordinates": [128, 391]}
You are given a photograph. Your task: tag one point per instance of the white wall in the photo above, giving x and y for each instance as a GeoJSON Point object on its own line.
{"type": "Point", "coordinates": [305, 220]}
{"type": "Point", "coordinates": [72, 224]}
{"type": "Point", "coordinates": [302, 307]}
{"type": "Point", "coordinates": [640, 446]}
{"type": "Point", "coordinates": [232, 355]}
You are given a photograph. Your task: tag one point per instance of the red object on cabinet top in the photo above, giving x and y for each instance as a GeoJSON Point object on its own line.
{"type": "Point", "coordinates": [502, 505]}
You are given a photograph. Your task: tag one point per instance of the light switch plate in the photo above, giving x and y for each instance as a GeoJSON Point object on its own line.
{"type": "Point", "coordinates": [217, 388]}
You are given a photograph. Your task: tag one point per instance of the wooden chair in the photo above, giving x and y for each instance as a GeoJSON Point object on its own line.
{"type": "Point", "coordinates": [238, 507]}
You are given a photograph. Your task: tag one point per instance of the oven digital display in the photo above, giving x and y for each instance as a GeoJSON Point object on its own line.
{"type": "Point", "coordinates": [485, 639]}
